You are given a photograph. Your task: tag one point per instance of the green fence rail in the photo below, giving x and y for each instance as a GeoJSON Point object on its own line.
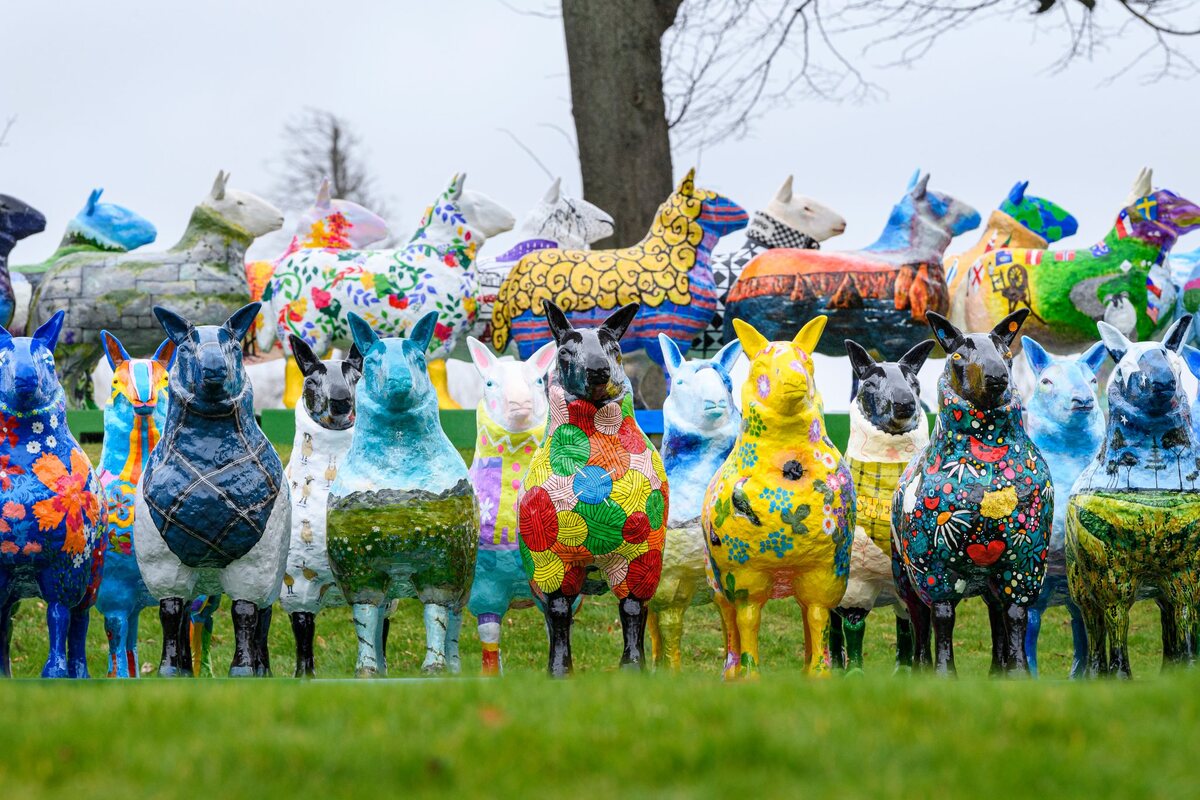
{"type": "Point", "coordinates": [280, 426]}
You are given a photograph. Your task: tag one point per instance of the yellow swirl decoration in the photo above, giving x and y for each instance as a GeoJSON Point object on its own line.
{"type": "Point", "coordinates": [651, 272]}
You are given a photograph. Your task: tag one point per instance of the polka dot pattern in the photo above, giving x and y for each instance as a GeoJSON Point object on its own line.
{"type": "Point", "coordinates": [594, 494]}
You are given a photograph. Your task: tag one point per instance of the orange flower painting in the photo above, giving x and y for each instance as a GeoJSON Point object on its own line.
{"type": "Point", "coordinates": [72, 501]}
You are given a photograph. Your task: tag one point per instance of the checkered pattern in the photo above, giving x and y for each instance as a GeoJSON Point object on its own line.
{"type": "Point", "coordinates": [765, 233]}
{"type": "Point", "coordinates": [874, 484]}
{"type": "Point", "coordinates": [211, 512]}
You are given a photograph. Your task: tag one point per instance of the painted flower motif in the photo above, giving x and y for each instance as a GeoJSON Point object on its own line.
{"type": "Point", "coordinates": [31, 548]}
{"type": "Point", "coordinates": [450, 259]}
{"type": "Point", "coordinates": [8, 472]}
{"type": "Point", "coordinates": [442, 332]}
{"type": "Point", "coordinates": [777, 542]}
{"type": "Point", "coordinates": [33, 448]}
{"type": "Point", "coordinates": [13, 510]}
{"type": "Point", "coordinates": [54, 421]}
{"type": "Point", "coordinates": [9, 548]}
{"type": "Point", "coordinates": [367, 279]}
{"type": "Point", "coordinates": [829, 525]}
{"type": "Point", "coordinates": [296, 309]}
{"type": "Point", "coordinates": [485, 510]}
{"type": "Point", "coordinates": [739, 550]}
{"type": "Point", "coordinates": [763, 387]}
{"type": "Point", "coordinates": [8, 430]}
{"type": "Point", "coordinates": [51, 442]}
{"type": "Point", "coordinates": [37, 427]}
{"type": "Point", "coordinates": [814, 432]}
{"type": "Point", "coordinates": [72, 502]}
{"type": "Point", "coordinates": [396, 301]}
{"type": "Point", "coordinates": [321, 298]}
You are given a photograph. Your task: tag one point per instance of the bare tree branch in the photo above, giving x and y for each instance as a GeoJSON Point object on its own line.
{"type": "Point", "coordinates": [549, 12]}
{"type": "Point", "coordinates": [726, 62]}
{"type": "Point", "coordinates": [529, 152]}
{"type": "Point", "coordinates": [8, 125]}
{"type": "Point", "coordinates": [319, 145]}
{"type": "Point", "coordinates": [562, 132]}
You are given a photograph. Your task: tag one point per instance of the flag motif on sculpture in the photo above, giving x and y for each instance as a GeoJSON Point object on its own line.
{"type": "Point", "coordinates": [1100, 250]}
{"type": "Point", "coordinates": [1124, 224]}
{"type": "Point", "coordinates": [1004, 257]}
{"type": "Point", "coordinates": [1064, 255]}
{"type": "Point", "coordinates": [1033, 257]}
{"type": "Point", "coordinates": [1147, 207]}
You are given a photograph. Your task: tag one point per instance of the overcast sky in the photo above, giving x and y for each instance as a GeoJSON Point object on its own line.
{"type": "Point", "coordinates": [148, 100]}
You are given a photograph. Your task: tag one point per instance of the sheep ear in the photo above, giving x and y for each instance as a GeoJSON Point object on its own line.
{"type": "Point", "coordinates": [47, 334]}
{"type": "Point", "coordinates": [915, 358]}
{"type": "Point", "coordinates": [1007, 328]}
{"type": "Point", "coordinates": [422, 332]}
{"type": "Point", "coordinates": [1094, 357]}
{"type": "Point", "coordinates": [306, 359]}
{"type": "Point", "coordinates": [177, 328]}
{"type": "Point", "coordinates": [355, 358]}
{"type": "Point", "coordinates": [619, 321]}
{"type": "Point", "coordinates": [93, 198]}
{"type": "Point", "coordinates": [1191, 357]}
{"type": "Point", "coordinates": [542, 359]}
{"type": "Point", "coordinates": [687, 186]}
{"type": "Point", "coordinates": [1035, 355]}
{"type": "Point", "coordinates": [553, 193]}
{"type": "Point", "coordinates": [218, 187]}
{"type": "Point", "coordinates": [1178, 332]}
{"type": "Point", "coordinates": [242, 320]}
{"type": "Point", "coordinates": [810, 334]}
{"type": "Point", "coordinates": [1017, 193]}
{"type": "Point", "coordinates": [165, 354]}
{"type": "Point", "coordinates": [485, 362]}
{"type": "Point", "coordinates": [912, 182]}
{"type": "Point", "coordinates": [920, 188]}
{"type": "Point", "coordinates": [944, 331]}
{"type": "Point", "coordinates": [727, 356]}
{"type": "Point", "coordinates": [672, 358]}
{"type": "Point", "coordinates": [364, 336]}
{"type": "Point", "coordinates": [860, 360]}
{"type": "Point", "coordinates": [455, 190]}
{"type": "Point", "coordinates": [560, 326]}
{"type": "Point", "coordinates": [324, 199]}
{"type": "Point", "coordinates": [114, 351]}
{"type": "Point", "coordinates": [1114, 341]}
{"type": "Point", "coordinates": [752, 341]}
{"type": "Point", "coordinates": [784, 195]}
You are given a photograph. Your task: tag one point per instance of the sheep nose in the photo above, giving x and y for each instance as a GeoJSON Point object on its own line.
{"type": "Point", "coordinates": [340, 406]}
{"type": "Point", "coordinates": [1083, 403]}
{"type": "Point", "coordinates": [598, 375]}
{"type": "Point", "coordinates": [904, 409]}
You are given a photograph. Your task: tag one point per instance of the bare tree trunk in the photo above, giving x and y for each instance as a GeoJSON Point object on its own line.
{"type": "Point", "coordinates": [614, 50]}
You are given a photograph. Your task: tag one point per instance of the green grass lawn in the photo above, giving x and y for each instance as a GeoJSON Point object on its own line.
{"type": "Point", "coordinates": [603, 732]}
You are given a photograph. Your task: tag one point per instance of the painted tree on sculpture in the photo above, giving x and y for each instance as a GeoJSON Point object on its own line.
{"type": "Point", "coordinates": [1127, 460]}
{"type": "Point", "coordinates": [1175, 442]}
{"type": "Point", "coordinates": [1155, 461]}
